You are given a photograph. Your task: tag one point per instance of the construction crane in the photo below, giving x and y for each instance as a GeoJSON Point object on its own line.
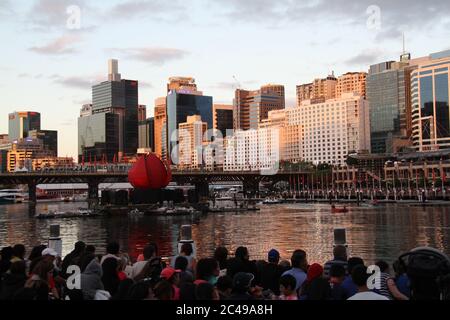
{"type": "Point", "coordinates": [238, 84]}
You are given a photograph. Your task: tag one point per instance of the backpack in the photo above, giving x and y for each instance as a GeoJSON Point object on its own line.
{"type": "Point", "coordinates": [429, 272]}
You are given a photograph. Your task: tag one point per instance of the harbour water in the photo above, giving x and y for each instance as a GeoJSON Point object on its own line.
{"type": "Point", "coordinates": [372, 232]}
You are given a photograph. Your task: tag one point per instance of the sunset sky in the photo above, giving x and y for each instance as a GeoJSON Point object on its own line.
{"type": "Point", "coordinates": [47, 67]}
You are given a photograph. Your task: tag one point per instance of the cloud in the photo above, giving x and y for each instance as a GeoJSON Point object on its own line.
{"type": "Point", "coordinates": [160, 9]}
{"type": "Point", "coordinates": [60, 46]}
{"type": "Point", "coordinates": [366, 57]}
{"type": "Point", "coordinates": [145, 85]}
{"type": "Point", "coordinates": [78, 82]}
{"type": "Point", "coordinates": [30, 76]}
{"type": "Point", "coordinates": [6, 7]}
{"type": "Point", "coordinates": [398, 15]}
{"type": "Point", "coordinates": [153, 55]}
{"type": "Point", "coordinates": [45, 14]}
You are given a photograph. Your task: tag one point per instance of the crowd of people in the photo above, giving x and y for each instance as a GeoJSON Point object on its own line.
{"type": "Point", "coordinates": [43, 275]}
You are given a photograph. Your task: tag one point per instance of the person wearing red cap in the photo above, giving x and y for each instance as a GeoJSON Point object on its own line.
{"type": "Point", "coordinates": [316, 287]}
{"type": "Point", "coordinates": [173, 277]}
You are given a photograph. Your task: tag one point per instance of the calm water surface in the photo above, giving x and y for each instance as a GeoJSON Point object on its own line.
{"type": "Point", "coordinates": [372, 233]}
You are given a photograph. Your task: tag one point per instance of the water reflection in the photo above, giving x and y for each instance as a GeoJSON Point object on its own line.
{"type": "Point", "coordinates": [372, 233]}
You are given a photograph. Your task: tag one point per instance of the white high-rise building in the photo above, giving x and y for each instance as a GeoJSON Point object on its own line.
{"type": "Point", "coordinates": [332, 129]}
{"type": "Point", "coordinates": [191, 137]}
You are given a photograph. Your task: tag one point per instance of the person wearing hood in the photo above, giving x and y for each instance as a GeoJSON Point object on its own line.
{"type": "Point", "coordinates": [73, 258]}
{"type": "Point", "coordinates": [91, 280]}
{"type": "Point", "coordinates": [13, 280]}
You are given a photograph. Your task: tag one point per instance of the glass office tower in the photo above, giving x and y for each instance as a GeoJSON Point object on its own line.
{"type": "Point", "coordinates": [21, 123]}
{"type": "Point", "coordinates": [387, 96]}
{"type": "Point", "coordinates": [430, 103]}
{"type": "Point", "coordinates": [182, 105]}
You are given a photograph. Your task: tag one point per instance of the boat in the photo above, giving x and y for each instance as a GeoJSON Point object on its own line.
{"type": "Point", "coordinates": [338, 210]}
{"type": "Point", "coordinates": [81, 213]}
{"type": "Point", "coordinates": [11, 196]}
{"type": "Point", "coordinates": [135, 213]}
{"type": "Point", "coordinates": [173, 211]}
{"type": "Point", "coordinates": [272, 201]}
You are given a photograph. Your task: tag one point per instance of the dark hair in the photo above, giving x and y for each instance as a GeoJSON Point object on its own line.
{"type": "Point", "coordinates": [340, 252]}
{"type": "Point", "coordinates": [123, 291]}
{"type": "Point", "coordinates": [204, 291]}
{"type": "Point", "coordinates": [360, 276]}
{"type": "Point", "coordinates": [36, 252]}
{"type": "Point", "coordinates": [181, 263]}
{"type": "Point", "coordinates": [113, 248]}
{"type": "Point", "coordinates": [337, 271]}
{"type": "Point", "coordinates": [206, 268]}
{"type": "Point", "coordinates": [110, 277]}
{"type": "Point", "coordinates": [353, 262]}
{"type": "Point", "coordinates": [19, 251]}
{"type": "Point", "coordinates": [151, 270]}
{"type": "Point", "coordinates": [7, 253]}
{"type": "Point", "coordinates": [149, 251]}
{"type": "Point", "coordinates": [187, 249]}
{"type": "Point", "coordinates": [139, 291]}
{"type": "Point", "coordinates": [42, 269]}
{"type": "Point", "coordinates": [288, 281]}
{"type": "Point", "coordinates": [241, 252]}
{"type": "Point", "coordinates": [80, 246]}
{"type": "Point", "coordinates": [155, 245]}
{"type": "Point", "coordinates": [164, 290]}
{"type": "Point", "coordinates": [224, 283]}
{"type": "Point", "coordinates": [18, 268]}
{"type": "Point", "coordinates": [298, 258]}
{"type": "Point", "coordinates": [86, 260]}
{"type": "Point", "coordinates": [399, 268]}
{"type": "Point", "coordinates": [221, 255]}
{"type": "Point", "coordinates": [90, 249]}
{"type": "Point", "coordinates": [383, 265]}
{"type": "Point", "coordinates": [187, 292]}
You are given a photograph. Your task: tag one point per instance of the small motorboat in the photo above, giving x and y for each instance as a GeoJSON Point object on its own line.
{"type": "Point", "coordinates": [81, 213]}
{"type": "Point", "coordinates": [272, 201]}
{"type": "Point", "coordinates": [338, 210]}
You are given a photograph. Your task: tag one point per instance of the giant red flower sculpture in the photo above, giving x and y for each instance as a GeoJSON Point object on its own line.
{"type": "Point", "coordinates": [149, 172]}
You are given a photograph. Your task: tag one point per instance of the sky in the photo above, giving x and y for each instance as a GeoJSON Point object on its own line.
{"type": "Point", "coordinates": [53, 51]}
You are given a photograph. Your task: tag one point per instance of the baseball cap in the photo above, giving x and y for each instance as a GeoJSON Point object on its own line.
{"type": "Point", "coordinates": [273, 254]}
{"type": "Point", "coordinates": [49, 252]}
{"type": "Point", "coordinates": [168, 273]}
{"type": "Point", "coordinates": [243, 280]}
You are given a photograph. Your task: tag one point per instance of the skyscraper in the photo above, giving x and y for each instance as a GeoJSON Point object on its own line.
{"type": "Point", "coordinates": [147, 134]}
{"type": "Point", "coordinates": [181, 104]}
{"type": "Point", "coordinates": [389, 96]}
{"type": "Point", "coordinates": [223, 118]}
{"type": "Point", "coordinates": [252, 107]}
{"type": "Point", "coordinates": [191, 137]}
{"type": "Point", "coordinates": [160, 128]}
{"type": "Point", "coordinates": [49, 140]}
{"type": "Point", "coordinates": [21, 123]}
{"type": "Point", "coordinates": [317, 91]}
{"type": "Point", "coordinates": [111, 129]}
{"type": "Point", "coordinates": [351, 82]}
{"type": "Point", "coordinates": [430, 103]}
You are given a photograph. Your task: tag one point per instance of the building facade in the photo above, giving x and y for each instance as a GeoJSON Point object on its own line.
{"type": "Point", "coordinates": [332, 129]}
{"type": "Point", "coordinates": [182, 104]}
{"type": "Point", "coordinates": [252, 107]}
{"type": "Point", "coordinates": [430, 103]}
{"type": "Point", "coordinates": [223, 118]}
{"type": "Point", "coordinates": [352, 82]}
{"type": "Point", "coordinates": [318, 90]}
{"type": "Point", "coordinates": [147, 134]}
{"type": "Point", "coordinates": [21, 123]}
{"type": "Point", "coordinates": [191, 139]}
{"type": "Point", "coordinates": [49, 140]}
{"type": "Point", "coordinates": [160, 129]}
{"type": "Point", "coordinates": [114, 108]}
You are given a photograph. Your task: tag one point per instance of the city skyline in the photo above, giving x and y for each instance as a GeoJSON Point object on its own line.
{"type": "Point", "coordinates": [57, 66]}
